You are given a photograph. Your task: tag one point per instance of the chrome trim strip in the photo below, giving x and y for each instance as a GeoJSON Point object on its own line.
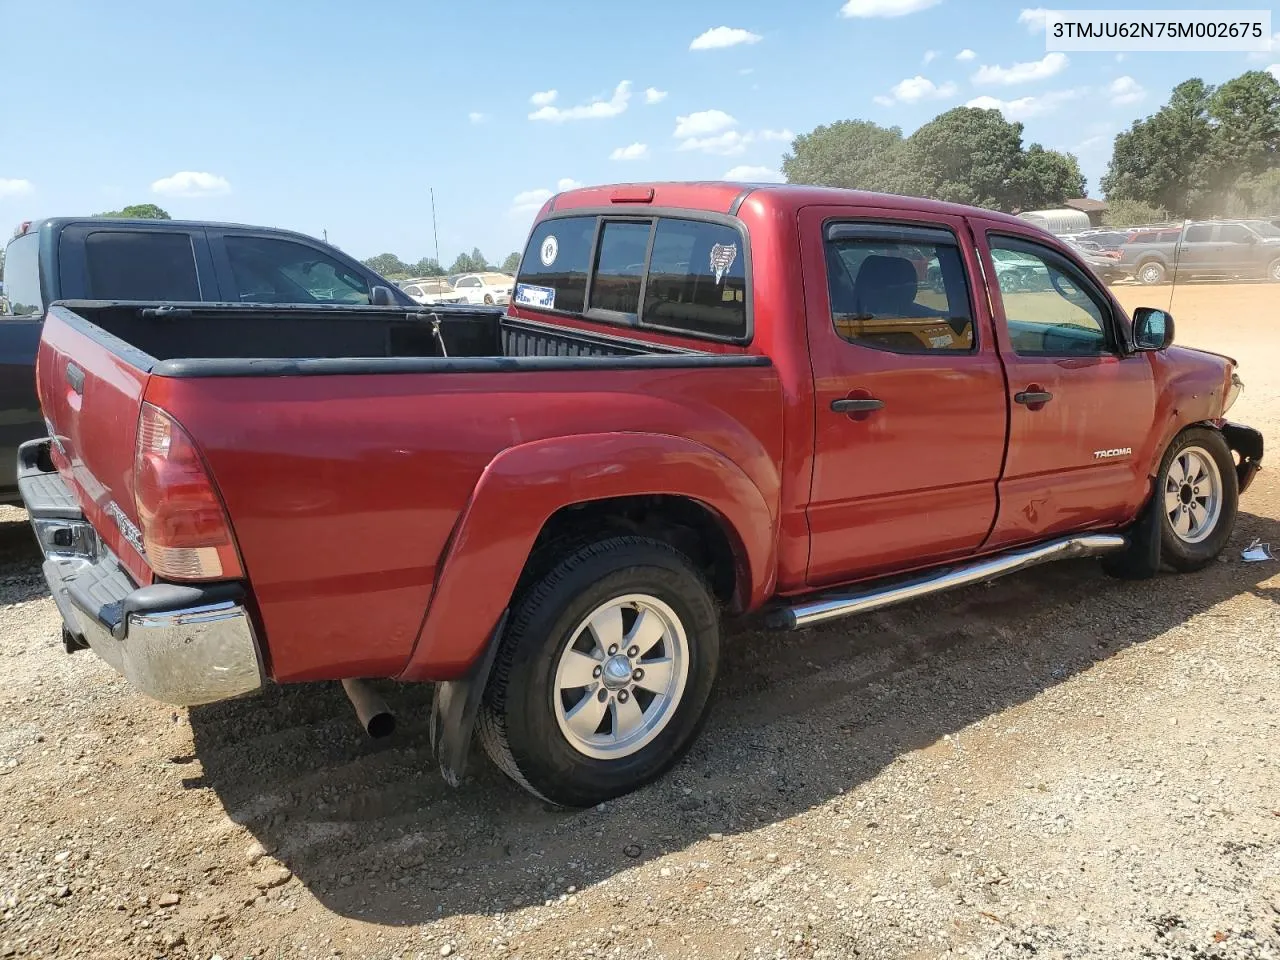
{"type": "Point", "coordinates": [833, 606]}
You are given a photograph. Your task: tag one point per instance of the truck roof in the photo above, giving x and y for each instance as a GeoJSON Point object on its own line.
{"type": "Point", "coordinates": [726, 196]}
{"type": "Point", "coordinates": [56, 223]}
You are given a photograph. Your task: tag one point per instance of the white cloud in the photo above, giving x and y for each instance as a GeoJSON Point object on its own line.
{"type": "Point", "coordinates": [1090, 144]}
{"type": "Point", "coordinates": [749, 174]}
{"type": "Point", "coordinates": [1123, 90]}
{"type": "Point", "coordinates": [784, 135]}
{"type": "Point", "coordinates": [654, 95]}
{"type": "Point", "coordinates": [529, 202]}
{"type": "Point", "coordinates": [930, 56]}
{"type": "Point", "coordinates": [917, 88]}
{"type": "Point", "coordinates": [190, 183]}
{"type": "Point", "coordinates": [1026, 107]}
{"type": "Point", "coordinates": [544, 98]}
{"type": "Point", "coordinates": [884, 8]}
{"type": "Point", "coordinates": [746, 71]}
{"type": "Point", "coordinates": [965, 55]}
{"type": "Point", "coordinates": [1266, 54]}
{"type": "Point", "coordinates": [1274, 70]}
{"type": "Point", "coordinates": [1035, 18]}
{"type": "Point", "coordinates": [1051, 64]}
{"type": "Point", "coordinates": [719, 37]}
{"type": "Point", "coordinates": [477, 117]}
{"type": "Point", "coordinates": [597, 109]}
{"type": "Point", "coordinates": [731, 143]}
{"type": "Point", "coordinates": [1119, 58]}
{"type": "Point", "coordinates": [15, 188]}
{"type": "Point", "coordinates": [634, 151]}
{"type": "Point", "coordinates": [702, 123]}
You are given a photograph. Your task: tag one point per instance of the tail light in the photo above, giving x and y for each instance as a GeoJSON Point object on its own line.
{"type": "Point", "coordinates": [185, 530]}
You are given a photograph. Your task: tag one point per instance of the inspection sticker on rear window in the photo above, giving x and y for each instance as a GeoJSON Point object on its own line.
{"type": "Point", "coordinates": [528, 295]}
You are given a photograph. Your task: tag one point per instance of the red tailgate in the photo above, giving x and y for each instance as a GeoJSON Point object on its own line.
{"type": "Point", "coordinates": [91, 397]}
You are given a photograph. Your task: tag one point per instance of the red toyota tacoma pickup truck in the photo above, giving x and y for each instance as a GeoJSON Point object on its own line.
{"type": "Point", "coordinates": [704, 400]}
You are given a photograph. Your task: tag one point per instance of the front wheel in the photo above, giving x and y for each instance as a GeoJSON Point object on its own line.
{"type": "Point", "coordinates": [604, 673]}
{"type": "Point", "coordinates": [1199, 494]}
{"type": "Point", "coordinates": [488, 300]}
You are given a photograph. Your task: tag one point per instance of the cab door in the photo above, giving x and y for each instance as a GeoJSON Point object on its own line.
{"type": "Point", "coordinates": [1080, 406]}
{"type": "Point", "coordinates": [910, 412]}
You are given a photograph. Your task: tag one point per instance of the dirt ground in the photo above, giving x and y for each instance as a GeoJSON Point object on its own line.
{"type": "Point", "coordinates": [1053, 765]}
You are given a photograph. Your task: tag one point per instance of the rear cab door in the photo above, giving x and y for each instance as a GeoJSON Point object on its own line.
{"type": "Point", "coordinates": [910, 413]}
{"type": "Point", "coordinates": [1080, 406]}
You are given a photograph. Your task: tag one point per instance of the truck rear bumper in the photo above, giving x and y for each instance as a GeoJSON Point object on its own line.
{"type": "Point", "coordinates": [184, 645]}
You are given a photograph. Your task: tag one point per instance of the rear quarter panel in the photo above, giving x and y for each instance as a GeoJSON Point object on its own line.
{"type": "Point", "coordinates": [343, 491]}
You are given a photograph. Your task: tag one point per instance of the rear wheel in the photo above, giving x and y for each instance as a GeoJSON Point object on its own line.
{"type": "Point", "coordinates": [1151, 272]}
{"type": "Point", "coordinates": [1273, 271]}
{"type": "Point", "coordinates": [604, 673]}
{"type": "Point", "coordinates": [1197, 494]}
{"type": "Point", "coordinates": [488, 300]}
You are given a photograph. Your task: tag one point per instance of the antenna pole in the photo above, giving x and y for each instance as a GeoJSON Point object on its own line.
{"type": "Point", "coordinates": [434, 232]}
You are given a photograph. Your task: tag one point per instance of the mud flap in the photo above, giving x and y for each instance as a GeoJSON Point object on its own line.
{"type": "Point", "coordinates": [454, 709]}
{"type": "Point", "coordinates": [1140, 560]}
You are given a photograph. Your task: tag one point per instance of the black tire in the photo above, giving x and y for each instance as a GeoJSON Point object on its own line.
{"type": "Point", "coordinates": [517, 723]}
{"type": "Point", "coordinates": [1273, 270]}
{"type": "Point", "coordinates": [488, 300]}
{"type": "Point", "coordinates": [1174, 550]}
{"type": "Point", "coordinates": [1150, 272]}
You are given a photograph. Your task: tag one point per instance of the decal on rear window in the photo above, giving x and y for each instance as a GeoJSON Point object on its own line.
{"type": "Point", "coordinates": [722, 257]}
{"type": "Point", "coordinates": [550, 249]}
{"type": "Point", "coordinates": [527, 295]}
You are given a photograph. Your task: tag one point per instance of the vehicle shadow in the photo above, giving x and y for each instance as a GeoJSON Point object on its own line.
{"type": "Point", "coordinates": [20, 578]}
{"type": "Point", "coordinates": [374, 833]}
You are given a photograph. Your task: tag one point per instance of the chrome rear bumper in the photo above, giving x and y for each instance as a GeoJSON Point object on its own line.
{"type": "Point", "coordinates": [184, 645]}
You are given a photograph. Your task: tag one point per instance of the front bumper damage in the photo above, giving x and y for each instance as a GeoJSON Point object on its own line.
{"type": "Point", "coordinates": [179, 644]}
{"type": "Point", "coordinates": [1247, 444]}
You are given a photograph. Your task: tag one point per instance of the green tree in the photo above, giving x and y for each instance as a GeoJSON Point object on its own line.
{"type": "Point", "coordinates": [1245, 114]}
{"type": "Point", "coordinates": [473, 262]}
{"type": "Point", "coordinates": [139, 211]}
{"type": "Point", "coordinates": [854, 154]}
{"type": "Point", "coordinates": [968, 155]}
{"type": "Point", "coordinates": [427, 267]}
{"type": "Point", "coordinates": [1166, 160]}
{"type": "Point", "coordinates": [1044, 178]}
{"type": "Point", "coordinates": [388, 264]}
{"type": "Point", "coordinates": [1129, 213]}
{"type": "Point", "coordinates": [511, 264]}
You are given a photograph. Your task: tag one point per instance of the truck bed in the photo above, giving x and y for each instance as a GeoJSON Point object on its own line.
{"type": "Point", "coordinates": [193, 333]}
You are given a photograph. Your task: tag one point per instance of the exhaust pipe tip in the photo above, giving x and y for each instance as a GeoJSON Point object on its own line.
{"type": "Point", "coordinates": [374, 714]}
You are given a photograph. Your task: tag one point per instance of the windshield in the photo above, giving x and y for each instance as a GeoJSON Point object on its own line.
{"type": "Point", "coordinates": [1263, 228]}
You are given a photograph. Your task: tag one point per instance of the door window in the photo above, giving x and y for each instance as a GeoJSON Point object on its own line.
{"type": "Point", "coordinates": [1049, 308]}
{"type": "Point", "coordinates": [1234, 233]}
{"type": "Point", "coordinates": [268, 270]}
{"type": "Point", "coordinates": [1199, 233]}
{"type": "Point", "coordinates": [899, 295]}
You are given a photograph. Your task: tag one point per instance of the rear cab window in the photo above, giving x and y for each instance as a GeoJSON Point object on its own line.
{"type": "Point", "coordinates": [140, 265]}
{"type": "Point", "coordinates": [680, 275]}
{"type": "Point", "coordinates": [22, 278]}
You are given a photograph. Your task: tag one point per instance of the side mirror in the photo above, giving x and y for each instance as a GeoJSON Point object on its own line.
{"type": "Point", "coordinates": [381, 296]}
{"type": "Point", "coordinates": [1152, 328]}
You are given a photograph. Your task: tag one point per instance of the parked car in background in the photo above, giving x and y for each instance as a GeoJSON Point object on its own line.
{"type": "Point", "coordinates": [1105, 239]}
{"type": "Point", "coordinates": [431, 291]}
{"type": "Point", "coordinates": [486, 288]}
{"type": "Point", "coordinates": [1106, 264]}
{"type": "Point", "coordinates": [130, 259]}
{"type": "Point", "coordinates": [549, 509]}
{"type": "Point", "coordinates": [1203, 249]}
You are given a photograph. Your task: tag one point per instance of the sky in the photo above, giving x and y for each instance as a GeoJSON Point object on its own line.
{"type": "Point", "coordinates": [342, 117]}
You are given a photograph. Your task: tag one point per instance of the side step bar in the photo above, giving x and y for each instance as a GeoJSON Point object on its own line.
{"type": "Point", "coordinates": [833, 606]}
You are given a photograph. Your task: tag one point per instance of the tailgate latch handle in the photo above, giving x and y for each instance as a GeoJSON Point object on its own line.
{"type": "Point", "coordinates": [75, 377]}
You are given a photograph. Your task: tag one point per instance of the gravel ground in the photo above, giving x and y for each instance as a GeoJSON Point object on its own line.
{"type": "Point", "coordinates": [1054, 765]}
